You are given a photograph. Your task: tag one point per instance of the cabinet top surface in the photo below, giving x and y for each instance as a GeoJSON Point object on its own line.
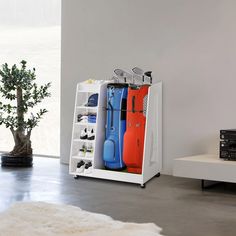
{"type": "Point", "coordinates": [209, 158]}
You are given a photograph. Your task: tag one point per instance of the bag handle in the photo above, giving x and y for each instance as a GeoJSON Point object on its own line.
{"type": "Point", "coordinates": [133, 104]}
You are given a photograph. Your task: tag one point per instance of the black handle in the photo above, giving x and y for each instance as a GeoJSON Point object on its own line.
{"type": "Point", "coordinates": [133, 104]}
{"type": "Point", "coordinates": [112, 112]}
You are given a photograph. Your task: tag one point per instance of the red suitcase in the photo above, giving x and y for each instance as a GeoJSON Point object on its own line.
{"type": "Point", "coordinates": [135, 128]}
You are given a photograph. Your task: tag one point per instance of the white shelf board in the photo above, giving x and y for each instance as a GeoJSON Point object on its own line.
{"type": "Point", "coordinates": [206, 166]}
{"type": "Point", "coordinates": [114, 175]}
{"type": "Point", "coordinates": [85, 124]}
{"type": "Point", "coordinates": [82, 174]}
{"type": "Point", "coordinates": [88, 108]}
{"type": "Point", "coordinates": [82, 158]}
{"type": "Point", "coordinates": [83, 140]}
{"type": "Point", "coordinates": [89, 90]}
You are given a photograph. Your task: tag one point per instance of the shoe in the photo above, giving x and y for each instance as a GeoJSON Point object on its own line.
{"type": "Point", "coordinates": [89, 151]}
{"type": "Point", "coordinates": [83, 119]}
{"type": "Point", "coordinates": [82, 151]}
{"type": "Point", "coordinates": [92, 119]}
{"type": "Point", "coordinates": [90, 134]}
{"type": "Point", "coordinates": [83, 134]}
{"type": "Point", "coordinates": [80, 167]}
{"type": "Point", "coordinates": [80, 117]}
{"type": "Point", "coordinates": [88, 167]}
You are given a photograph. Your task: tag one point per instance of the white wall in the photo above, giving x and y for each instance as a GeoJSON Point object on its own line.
{"type": "Point", "coordinates": [30, 13]}
{"type": "Point", "coordinates": [189, 44]}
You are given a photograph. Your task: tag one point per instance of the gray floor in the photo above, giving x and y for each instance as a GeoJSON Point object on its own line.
{"type": "Point", "coordinates": [176, 204]}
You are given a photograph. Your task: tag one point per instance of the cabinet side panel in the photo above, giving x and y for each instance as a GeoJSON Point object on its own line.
{"type": "Point", "coordinates": [152, 161]}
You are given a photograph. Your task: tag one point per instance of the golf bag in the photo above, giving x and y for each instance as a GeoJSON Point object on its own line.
{"type": "Point", "coordinates": [135, 128]}
{"type": "Point", "coordinates": [115, 126]}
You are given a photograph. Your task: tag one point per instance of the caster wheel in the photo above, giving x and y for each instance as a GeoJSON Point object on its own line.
{"type": "Point", "coordinates": [76, 177]}
{"type": "Point", "coordinates": [158, 174]}
{"type": "Point", "coordinates": [142, 186]}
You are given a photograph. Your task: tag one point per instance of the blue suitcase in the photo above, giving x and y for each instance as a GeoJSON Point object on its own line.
{"type": "Point", "coordinates": [115, 126]}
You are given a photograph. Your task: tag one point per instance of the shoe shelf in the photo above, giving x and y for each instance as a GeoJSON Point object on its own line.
{"type": "Point", "coordinates": [112, 175]}
{"type": "Point", "coordinates": [87, 108]}
{"type": "Point", "coordinates": [83, 174]}
{"type": "Point", "coordinates": [83, 140]}
{"type": "Point", "coordinates": [152, 159]}
{"type": "Point", "coordinates": [82, 158]}
{"type": "Point", "coordinates": [88, 88]}
{"type": "Point", "coordinates": [85, 124]}
{"type": "Point", "coordinates": [84, 91]}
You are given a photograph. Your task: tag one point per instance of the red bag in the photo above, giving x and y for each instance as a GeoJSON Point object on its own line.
{"type": "Point", "coordinates": [135, 128]}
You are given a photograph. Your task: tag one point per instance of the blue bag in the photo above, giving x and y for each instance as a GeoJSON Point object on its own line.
{"type": "Point", "coordinates": [115, 126]}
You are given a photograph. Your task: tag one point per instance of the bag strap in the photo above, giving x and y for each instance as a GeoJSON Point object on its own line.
{"type": "Point", "coordinates": [112, 112]}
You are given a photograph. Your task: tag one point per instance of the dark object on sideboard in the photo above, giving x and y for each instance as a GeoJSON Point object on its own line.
{"type": "Point", "coordinates": [228, 144]}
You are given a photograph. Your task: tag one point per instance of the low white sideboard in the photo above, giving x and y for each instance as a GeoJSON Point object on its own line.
{"type": "Point", "coordinates": [205, 167]}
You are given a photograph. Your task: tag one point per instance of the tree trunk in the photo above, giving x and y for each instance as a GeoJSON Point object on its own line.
{"type": "Point", "coordinates": [22, 139]}
{"type": "Point", "coordinates": [20, 109]}
{"type": "Point", "coordinates": [22, 144]}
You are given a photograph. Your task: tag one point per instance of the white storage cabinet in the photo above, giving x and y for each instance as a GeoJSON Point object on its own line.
{"type": "Point", "coordinates": [152, 159]}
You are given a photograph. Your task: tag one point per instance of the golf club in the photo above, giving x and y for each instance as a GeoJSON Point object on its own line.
{"type": "Point", "coordinates": [139, 72]}
{"type": "Point", "coordinates": [123, 74]}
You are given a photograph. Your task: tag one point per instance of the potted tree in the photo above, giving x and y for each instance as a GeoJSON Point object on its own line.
{"type": "Point", "coordinates": [19, 94]}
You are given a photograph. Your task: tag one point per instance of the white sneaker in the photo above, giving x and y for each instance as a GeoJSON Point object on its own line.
{"type": "Point", "coordinates": [88, 168]}
{"type": "Point", "coordinates": [89, 151]}
{"type": "Point", "coordinates": [84, 119]}
{"type": "Point", "coordinates": [83, 134]}
{"type": "Point", "coordinates": [82, 151]}
{"type": "Point", "coordinates": [80, 167]}
{"type": "Point", "coordinates": [90, 134]}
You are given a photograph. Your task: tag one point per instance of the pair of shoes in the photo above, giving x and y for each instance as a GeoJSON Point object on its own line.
{"type": "Point", "coordinates": [85, 167]}
{"type": "Point", "coordinates": [86, 151]}
{"type": "Point", "coordinates": [87, 134]}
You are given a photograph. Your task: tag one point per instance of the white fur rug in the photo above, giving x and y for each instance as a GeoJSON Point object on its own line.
{"type": "Point", "coordinates": [37, 218]}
